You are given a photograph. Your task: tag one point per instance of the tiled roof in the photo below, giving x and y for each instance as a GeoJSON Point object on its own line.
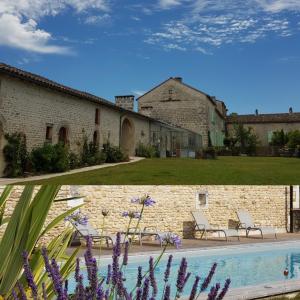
{"type": "Point", "coordinates": [265, 118]}
{"type": "Point", "coordinates": [47, 83]}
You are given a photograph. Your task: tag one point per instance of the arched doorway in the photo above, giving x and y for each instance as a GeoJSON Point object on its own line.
{"type": "Point", "coordinates": [63, 135]}
{"type": "Point", "coordinates": [127, 142]}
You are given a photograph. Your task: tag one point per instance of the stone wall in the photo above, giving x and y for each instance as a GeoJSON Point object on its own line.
{"type": "Point", "coordinates": [264, 130]}
{"type": "Point", "coordinates": [178, 104]}
{"type": "Point", "coordinates": [267, 204]}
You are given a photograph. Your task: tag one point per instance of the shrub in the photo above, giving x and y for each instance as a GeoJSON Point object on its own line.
{"type": "Point", "coordinates": [113, 154]}
{"type": "Point", "coordinates": [50, 158]}
{"type": "Point", "coordinates": [15, 155]}
{"type": "Point", "coordinates": [91, 155]}
{"type": "Point", "coordinates": [293, 139]}
{"type": "Point", "coordinates": [279, 138]}
{"type": "Point", "coordinates": [209, 153]}
{"type": "Point", "coordinates": [147, 151]}
{"type": "Point", "coordinates": [74, 161]}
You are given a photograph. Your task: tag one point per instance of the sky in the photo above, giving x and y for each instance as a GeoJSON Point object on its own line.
{"type": "Point", "coordinates": [244, 52]}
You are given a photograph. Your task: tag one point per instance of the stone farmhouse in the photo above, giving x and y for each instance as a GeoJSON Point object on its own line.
{"type": "Point", "coordinates": [176, 118]}
{"type": "Point", "coordinates": [265, 124]}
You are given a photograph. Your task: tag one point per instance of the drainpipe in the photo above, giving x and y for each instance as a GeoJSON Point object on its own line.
{"type": "Point", "coordinates": [291, 210]}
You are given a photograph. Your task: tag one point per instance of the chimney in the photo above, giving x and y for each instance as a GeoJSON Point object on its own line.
{"type": "Point", "coordinates": [126, 102]}
{"type": "Point", "coordinates": [256, 112]}
{"type": "Point", "coordinates": [178, 79]}
{"type": "Point", "coordinates": [290, 110]}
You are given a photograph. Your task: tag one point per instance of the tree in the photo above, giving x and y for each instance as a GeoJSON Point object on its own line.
{"type": "Point", "coordinates": [279, 138]}
{"type": "Point", "coordinates": [293, 139]}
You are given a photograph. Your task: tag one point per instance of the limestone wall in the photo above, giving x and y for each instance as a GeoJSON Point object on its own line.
{"type": "Point", "coordinates": [267, 204]}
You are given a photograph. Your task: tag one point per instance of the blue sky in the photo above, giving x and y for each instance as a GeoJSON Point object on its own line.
{"type": "Point", "coordinates": [246, 53]}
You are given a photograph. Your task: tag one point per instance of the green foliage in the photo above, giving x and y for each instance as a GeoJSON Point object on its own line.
{"type": "Point", "coordinates": [74, 161]}
{"type": "Point", "coordinates": [50, 158]}
{"type": "Point", "coordinates": [15, 155]}
{"type": "Point", "coordinates": [113, 154]}
{"type": "Point", "coordinates": [209, 153]}
{"type": "Point", "coordinates": [25, 228]}
{"type": "Point", "coordinates": [293, 139]}
{"type": "Point", "coordinates": [148, 151]}
{"type": "Point", "coordinates": [279, 138]}
{"type": "Point", "coordinates": [246, 139]}
{"type": "Point", "coordinates": [91, 155]}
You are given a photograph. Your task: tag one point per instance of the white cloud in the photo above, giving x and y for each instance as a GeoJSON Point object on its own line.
{"type": "Point", "coordinates": [97, 19]}
{"type": "Point", "coordinates": [276, 6]}
{"type": "Point", "coordinates": [165, 4]}
{"type": "Point", "coordinates": [25, 35]}
{"type": "Point", "coordinates": [19, 22]}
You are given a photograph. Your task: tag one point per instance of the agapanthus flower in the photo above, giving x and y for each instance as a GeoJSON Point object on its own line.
{"type": "Point", "coordinates": [170, 238]}
{"type": "Point", "coordinates": [224, 290]}
{"type": "Point", "coordinates": [77, 218]}
{"type": "Point", "coordinates": [131, 214]}
{"type": "Point", "coordinates": [105, 212]}
{"type": "Point", "coordinates": [145, 200]}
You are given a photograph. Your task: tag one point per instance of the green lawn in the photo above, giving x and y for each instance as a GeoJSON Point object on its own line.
{"type": "Point", "coordinates": [224, 170]}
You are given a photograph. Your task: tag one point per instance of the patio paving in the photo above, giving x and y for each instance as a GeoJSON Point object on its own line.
{"type": "Point", "coordinates": [153, 246]}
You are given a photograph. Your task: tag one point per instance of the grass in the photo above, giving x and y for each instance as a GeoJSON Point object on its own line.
{"type": "Point", "coordinates": [224, 170]}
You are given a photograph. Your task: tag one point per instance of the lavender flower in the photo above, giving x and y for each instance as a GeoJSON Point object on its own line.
{"type": "Point", "coordinates": [213, 292]}
{"type": "Point", "coordinates": [138, 295]}
{"type": "Point", "coordinates": [80, 292]}
{"type": "Point", "coordinates": [125, 257]}
{"type": "Point", "coordinates": [167, 292]}
{"type": "Point", "coordinates": [14, 294]}
{"type": "Point", "coordinates": [194, 288]}
{"type": "Point", "coordinates": [181, 278]}
{"type": "Point", "coordinates": [22, 291]}
{"type": "Point", "coordinates": [29, 276]}
{"type": "Point", "coordinates": [57, 280]}
{"type": "Point", "coordinates": [100, 294]}
{"type": "Point", "coordinates": [44, 291]}
{"type": "Point", "coordinates": [224, 290]}
{"type": "Point", "coordinates": [168, 268]}
{"type": "Point", "coordinates": [77, 270]}
{"type": "Point", "coordinates": [152, 276]}
{"type": "Point", "coordinates": [106, 295]}
{"type": "Point", "coordinates": [108, 276]}
{"type": "Point", "coordinates": [77, 218]}
{"type": "Point", "coordinates": [207, 280]}
{"type": "Point", "coordinates": [145, 289]}
{"type": "Point", "coordinates": [115, 258]}
{"type": "Point", "coordinates": [170, 238]}
{"type": "Point", "coordinates": [139, 277]}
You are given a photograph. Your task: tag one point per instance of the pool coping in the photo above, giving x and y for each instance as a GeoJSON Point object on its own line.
{"type": "Point", "coordinates": [242, 293]}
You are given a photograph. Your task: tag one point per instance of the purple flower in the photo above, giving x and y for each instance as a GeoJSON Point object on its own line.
{"type": "Point", "coordinates": [207, 280]}
{"type": "Point", "coordinates": [44, 291]}
{"type": "Point", "coordinates": [22, 291]}
{"type": "Point", "coordinates": [125, 257]}
{"type": "Point", "coordinates": [77, 218]}
{"type": "Point", "coordinates": [181, 278]}
{"type": "Point", "coordinates": [170, 238]}
{"type": "Point", "coordinates": [100, 294]}
{"type": "Point", "coordinates": [145, 289]}
{"type": "Point", "coordinates": [152, 276]}
{"type": "Point", "coordinates": [139, 277]}
{"type": "Point", "coordinates": [224, 290]}
{"type": "Point", "coordinates": [138, 295]}
{"type": "Point", "coordinates": [80, 292]}
{"type": "Point", "coordinates": [213, 292]}
{"type": "Point", "coordinates": [131, 214]}
{"type": "Point", "coordinates": [108, 276]}
{"type": "Point", "coordinates": [168, 268]}
{"type": "Point", "coordinates": [145, 200]}
{"type": "Point", "coordinates": [29, 276]}
{"type": "Point", "coordinates": [14, 294]}
{"type": "Point", "coordinates": [115, 259]}
{"type": "Point", "coordinates": [77, 270]}
{"type": "Point", "coordinates": [167, 292]}
{"type": "Point", "coordinates": [57, 280]}
{"type": "Point", "coordinates": [194, 288]}
{"type": "Point", "coordinates": [106, 295]}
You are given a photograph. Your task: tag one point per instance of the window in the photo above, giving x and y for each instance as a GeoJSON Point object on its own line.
{"type": "Point", "coordinates": [201, 200]}
{"type": "Point", "coordinates": [49, 133]}
{"type": "Point", "coordinates": [97, 116]}
{"type": "Point", "coordinates": [62, 135]}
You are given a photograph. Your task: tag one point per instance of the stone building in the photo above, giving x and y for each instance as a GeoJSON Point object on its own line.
{"type": "Point", "coordinates": [264, 125]}
{"type": "Point", "coordinates": [175, 102]}
{"type": "Point", "coordinates": [46, 111]}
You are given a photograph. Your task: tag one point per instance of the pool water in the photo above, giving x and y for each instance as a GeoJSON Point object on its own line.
{"type": "Point", "coordinates": [244, 265]}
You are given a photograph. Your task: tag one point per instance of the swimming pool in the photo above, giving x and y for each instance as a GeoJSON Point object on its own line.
{"type": "Point", "coordinates": [246, 265]}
